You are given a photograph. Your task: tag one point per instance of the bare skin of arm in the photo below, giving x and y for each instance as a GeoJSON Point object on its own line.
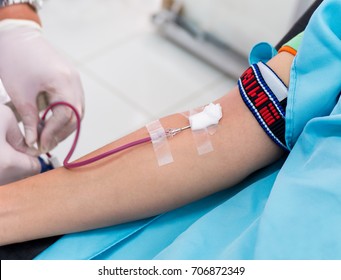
{"type": "Point", "coordinates": [19, 11]}
{"type": "Point", "coordinates": [131, 185]}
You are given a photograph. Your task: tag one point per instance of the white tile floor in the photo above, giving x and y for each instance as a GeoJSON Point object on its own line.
{"type": "Point", "coordinates": [130, 74]}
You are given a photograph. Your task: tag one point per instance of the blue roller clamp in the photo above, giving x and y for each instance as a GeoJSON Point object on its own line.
{"type": "Point", "coordinates": [45, 166]}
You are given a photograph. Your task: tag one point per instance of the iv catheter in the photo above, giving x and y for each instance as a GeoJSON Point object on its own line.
{"type": "Point", "coordinates": [170, 132]}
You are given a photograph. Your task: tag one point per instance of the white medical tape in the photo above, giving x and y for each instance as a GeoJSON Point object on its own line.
{"type": "Point", "coordinates": [160, 143]}
{"type": "Point", "coordinates": [201, 136]}
{"type": "Point", "coordinates": [209, 115]}
{"type": "Point", "coordinates": [202, 141]}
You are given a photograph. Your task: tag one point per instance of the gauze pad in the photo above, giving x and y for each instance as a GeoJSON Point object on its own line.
{"type": "Point", "coordinates": [211, 115]}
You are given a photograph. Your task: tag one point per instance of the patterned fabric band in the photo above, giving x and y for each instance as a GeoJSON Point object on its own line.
{"type": "Point", "coordinates": [265, 95]}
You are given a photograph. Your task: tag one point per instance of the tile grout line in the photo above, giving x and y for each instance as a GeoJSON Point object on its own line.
{"type": "Point", "coordinates": [119, 94]}
{"type": "Point", "coordinates": [197, 93]}
{"type": "Point", "coordinates": [109, 47]}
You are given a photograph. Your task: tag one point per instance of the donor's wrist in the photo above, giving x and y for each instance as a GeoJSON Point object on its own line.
{"type": "Point", "coordinates": [19, 11]}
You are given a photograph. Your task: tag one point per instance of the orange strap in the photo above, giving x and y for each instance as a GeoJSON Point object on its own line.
{"type": "Point", "coordinates": [288, 49]}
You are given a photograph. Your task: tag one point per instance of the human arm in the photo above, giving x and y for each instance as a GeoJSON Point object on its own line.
{"type": "Point", "coordinates": [130, 185]}
{"type": "Point", "coordinates": [29, 66]}
{"type": "Point", "coordinates": [19, 11]}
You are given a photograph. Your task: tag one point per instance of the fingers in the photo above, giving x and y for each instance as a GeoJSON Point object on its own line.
{"type": "Point", "coordinates": [30, 118]}
{"type": "Point", "coordinates": [41, 68]}
{"type": "Point", "coordinates": [61, 82]}
{"type": "Point", "coordinates": [63, 120]}
{"type": "Point", "coordinates": [60, 125]}
{"type": "Point", "coordinates": [17, 165]}
{"type": "Point", "coordinates": [17, 160]}
{"type": "Point", "coordinates": [15, 138]}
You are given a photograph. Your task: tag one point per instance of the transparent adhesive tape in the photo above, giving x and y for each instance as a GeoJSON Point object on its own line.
{"type": "Point", "coordinates": [160, 143]}
{"type": "Point", "coordinates": [202, 141]}
{"type": "Point", "coordinates": [201, 136]}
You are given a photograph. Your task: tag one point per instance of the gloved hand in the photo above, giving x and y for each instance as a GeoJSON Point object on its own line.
{"type": "Point", "coordinates": [17, 160]}
{"type": "Point", "coordinates": [29, 65]}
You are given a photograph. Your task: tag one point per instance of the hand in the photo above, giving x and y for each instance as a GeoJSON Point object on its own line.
{"type": "Point", "coordinates": [17, 160]}
{"type": "Point", "coordinates": [29, 65]}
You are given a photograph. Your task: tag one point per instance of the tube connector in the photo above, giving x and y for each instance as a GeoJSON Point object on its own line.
{"type": "Point", "coordinates": [171, 132]}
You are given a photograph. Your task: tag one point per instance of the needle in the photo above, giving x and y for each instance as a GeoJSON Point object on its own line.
{"type": "Point", "coordinates": [170, 132]}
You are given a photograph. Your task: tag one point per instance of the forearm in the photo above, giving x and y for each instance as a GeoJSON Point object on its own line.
{"type": "Point", "coordinates": [19, 11]}
{"type": "Point", "coordinates": [131, 185]}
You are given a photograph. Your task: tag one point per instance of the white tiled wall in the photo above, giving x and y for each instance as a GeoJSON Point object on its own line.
{"type": "Point", "coordinates": [130, 74]}
{"type": "Point", "coordinates": [243, 23]}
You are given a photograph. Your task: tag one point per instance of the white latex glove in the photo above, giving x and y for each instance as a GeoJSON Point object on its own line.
{"type": "Point", "coordinates": [17, 160]}
{"type": "Point", "coordinates": [29, 65]}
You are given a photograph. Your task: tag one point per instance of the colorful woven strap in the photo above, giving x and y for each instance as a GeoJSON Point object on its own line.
{"type": "Point", "coordinates": [293, 45]}
{"type": "Point", "coordinates": [265, 95]}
